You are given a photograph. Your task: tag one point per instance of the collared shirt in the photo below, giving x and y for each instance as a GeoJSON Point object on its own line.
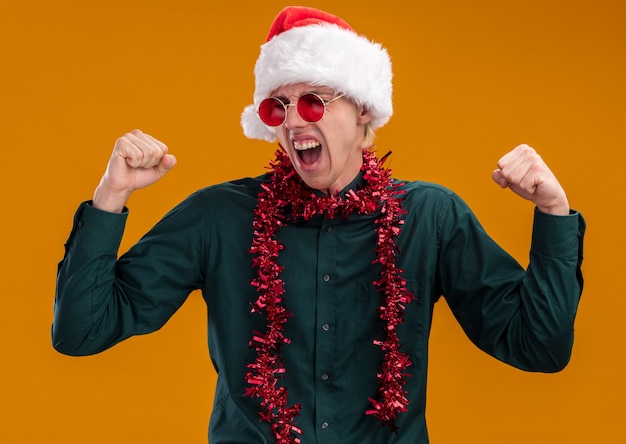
{"type": "Point", "coordinates": [521, 317]}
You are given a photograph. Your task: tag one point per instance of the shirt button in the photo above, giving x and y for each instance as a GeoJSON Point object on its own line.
{"type": "Point", "coordinates": [329, 229]}
{"type": "Point", "coordinates": [325, 327]}
{"type": "Point", "coordinates": [326, 278]}
{"type": "Point", "coordinates": [324, 376]}
{"type": "Point", "coordinates": [324, 425]}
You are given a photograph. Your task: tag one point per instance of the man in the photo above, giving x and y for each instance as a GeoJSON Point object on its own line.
{"type": "Point", "coordinates": [320, 277]}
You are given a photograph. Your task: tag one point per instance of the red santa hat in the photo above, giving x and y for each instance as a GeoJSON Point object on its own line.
{"type": "Point", "coordinates": [306, 45]}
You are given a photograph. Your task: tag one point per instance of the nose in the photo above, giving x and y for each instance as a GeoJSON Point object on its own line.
{"type": "Point", "coordinates": [293, 119]}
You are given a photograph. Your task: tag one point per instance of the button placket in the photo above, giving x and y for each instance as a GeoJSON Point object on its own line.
{"type": "Point", "coordinates": [327, 252]}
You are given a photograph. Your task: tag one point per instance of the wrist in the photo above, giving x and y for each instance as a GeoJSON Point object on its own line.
{"type": "Point", "coordinates": [558, 209]}
{"type": "Point", "coordinates": [107, 200]}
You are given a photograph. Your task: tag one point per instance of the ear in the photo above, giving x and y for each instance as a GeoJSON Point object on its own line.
{"type": "Point", "coordinates": [364, 115]}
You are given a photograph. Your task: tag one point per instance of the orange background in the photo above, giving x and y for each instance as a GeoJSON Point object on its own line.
{"type": "Point", "coordinates": [472, 80]}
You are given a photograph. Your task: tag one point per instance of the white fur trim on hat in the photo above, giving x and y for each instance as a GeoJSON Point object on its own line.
{"type": "Point", "coordinates": [322, 55]}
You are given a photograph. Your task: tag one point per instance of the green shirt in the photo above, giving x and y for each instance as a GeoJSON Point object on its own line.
{"type": "Point", "coordinates": [522, 317]}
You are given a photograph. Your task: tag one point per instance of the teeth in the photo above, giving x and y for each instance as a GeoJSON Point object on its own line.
{"type": "Point", "coordinates": [301, 146]}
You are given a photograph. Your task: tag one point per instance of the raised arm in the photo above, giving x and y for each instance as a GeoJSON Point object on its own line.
{"type": "Point", "coordinates": [101, 300]}
{"type": "Point", "coordinates": [521, 316]}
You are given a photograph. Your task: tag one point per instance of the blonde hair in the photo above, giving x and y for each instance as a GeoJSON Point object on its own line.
{"type": "Point", "coordinates": [368, 137]}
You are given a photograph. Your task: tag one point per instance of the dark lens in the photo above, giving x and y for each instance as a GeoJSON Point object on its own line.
{"type": "Point", "coordinates": [272, 111]}
{"type": "Point", "coordinates": [311, 107]}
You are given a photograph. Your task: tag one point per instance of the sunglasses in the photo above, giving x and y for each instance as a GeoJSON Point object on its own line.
{"type": "Point", "coordinates": [310, 106]}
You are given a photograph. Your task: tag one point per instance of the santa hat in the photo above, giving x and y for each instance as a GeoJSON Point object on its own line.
{"type": "Point", "coordinates": [306, 45]}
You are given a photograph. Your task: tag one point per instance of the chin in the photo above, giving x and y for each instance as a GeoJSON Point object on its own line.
{"type": "Point", "coordinates": [316, 185]}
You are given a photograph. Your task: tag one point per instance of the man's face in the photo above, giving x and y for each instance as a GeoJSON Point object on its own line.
{"type": "Point", "coordinates": [327, 154]}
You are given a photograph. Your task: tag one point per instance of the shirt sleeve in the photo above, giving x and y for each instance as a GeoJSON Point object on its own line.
{"type": "Point", "coordinates": [524, 317]}
{"type": "Point", "coordinates": [101, 300]}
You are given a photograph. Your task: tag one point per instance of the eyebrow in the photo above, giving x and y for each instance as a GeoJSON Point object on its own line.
{"type": "Point", "coordinates": [322, 94]}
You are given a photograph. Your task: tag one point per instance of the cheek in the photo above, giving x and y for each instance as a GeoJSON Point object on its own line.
{"type": "Point", "coordinates": [351, 136]}
{"type": "Point", "coordinates": [350, 127]}
{"type": "Point", "coordinates": [280, 134]}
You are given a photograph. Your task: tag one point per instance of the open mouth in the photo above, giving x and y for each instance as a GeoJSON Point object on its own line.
{"type": "Point", "coordinates": [309, 151]}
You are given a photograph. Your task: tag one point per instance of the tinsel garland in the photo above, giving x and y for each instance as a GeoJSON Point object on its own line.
{"type": "Point", "coordinates": [286, 189]}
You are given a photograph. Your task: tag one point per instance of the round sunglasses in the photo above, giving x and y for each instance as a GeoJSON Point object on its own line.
{"type": "Point", "coordinates": [310, 106]}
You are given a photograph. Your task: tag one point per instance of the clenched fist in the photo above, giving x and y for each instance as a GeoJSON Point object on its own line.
{"type": "Point", "coordinates": [138, 160]}
{"type": "Point", "coordinates": [526, 174]}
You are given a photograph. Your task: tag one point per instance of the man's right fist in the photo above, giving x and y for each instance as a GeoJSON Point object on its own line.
{"type": "Point", "coordinates": [138, 160]}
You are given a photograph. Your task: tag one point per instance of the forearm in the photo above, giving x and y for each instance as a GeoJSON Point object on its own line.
{"type": "Point", "coordinates": [101, 300]}
{"type": "Point", "coordinates": [539, 334]}
{"type": "Point", "coordinates": [523, 317]}
{"type": "Point", "coordinates": [84, 285]}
